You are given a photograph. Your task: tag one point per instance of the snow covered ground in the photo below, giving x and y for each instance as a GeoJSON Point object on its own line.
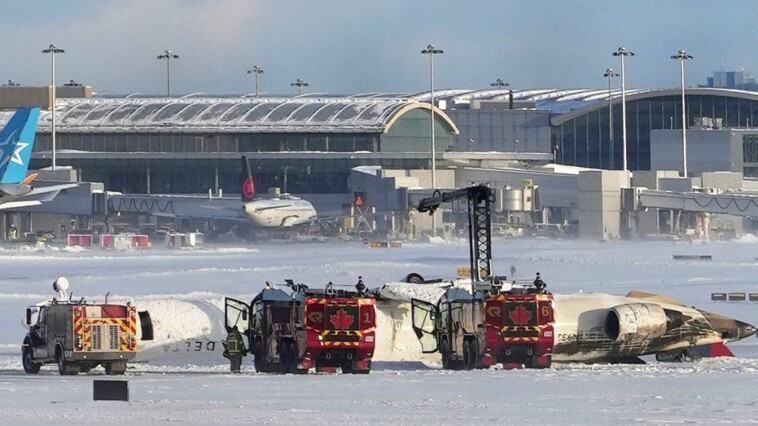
{"type": "Point", "coordinates": [199, 390]}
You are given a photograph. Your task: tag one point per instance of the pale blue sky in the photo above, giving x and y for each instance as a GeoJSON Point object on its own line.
{"type": "Point", "coordinates": [357, 46]}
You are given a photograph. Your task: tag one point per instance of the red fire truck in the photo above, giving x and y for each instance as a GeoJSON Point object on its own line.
{"type": "Point", "coordinates": [291, 329]}
{"type": "Point", "coordinates": [493, 321]}
{"type": "Point", "coordinates": [519, 328]}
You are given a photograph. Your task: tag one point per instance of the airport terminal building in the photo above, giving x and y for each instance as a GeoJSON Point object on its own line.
{"type": "Point", "coordinates": [191, 145]}
{"type": "Point", "coordinates": [309, 143]}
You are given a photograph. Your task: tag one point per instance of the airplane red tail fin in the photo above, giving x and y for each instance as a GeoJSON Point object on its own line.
{"type": "Point", "coordinates": [246, 181]}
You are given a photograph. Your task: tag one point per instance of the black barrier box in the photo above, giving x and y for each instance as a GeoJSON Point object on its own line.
{"type": "Point", "coordinates": [737, 297]}
{"type": "Point", "coordinates": [753, 297]}
{"type": "Point", "coordinates": [692, 257]}
{"type": "Point", "coordinates": [718, 297]}
{"type": "Point", "coordinates": [110, 390]}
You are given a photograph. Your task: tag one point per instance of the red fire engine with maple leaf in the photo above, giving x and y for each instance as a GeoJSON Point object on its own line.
{"type": "Point", "coordinates": [340, 332]}
{"type": "Point", "coordinates": [519, 329]}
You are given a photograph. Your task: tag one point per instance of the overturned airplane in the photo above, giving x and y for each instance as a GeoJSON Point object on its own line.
{"type": "Point", "coordinates": [582, 327]}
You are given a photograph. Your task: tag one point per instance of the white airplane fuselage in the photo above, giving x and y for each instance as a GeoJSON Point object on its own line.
{"type": "Point", "coordinates": [284, 211]}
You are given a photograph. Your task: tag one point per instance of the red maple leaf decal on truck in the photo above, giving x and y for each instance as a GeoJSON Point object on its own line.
{"type": "Point", "coordinates": [520, 316]}
{"type": "Point", "coordinates": [341, 319]}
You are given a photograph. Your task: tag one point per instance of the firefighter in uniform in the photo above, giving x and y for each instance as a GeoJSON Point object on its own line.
{"type": "Point", "coordinates": [234, 349]}
{"type": "Point", "coordinates": [539, 284]}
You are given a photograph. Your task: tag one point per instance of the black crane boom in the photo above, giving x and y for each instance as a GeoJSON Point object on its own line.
{"type": "Point", "coordinates": [480, 199]}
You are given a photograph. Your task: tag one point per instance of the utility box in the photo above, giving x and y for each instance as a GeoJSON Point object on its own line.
{"type": "Point", "coordinates": [110, 390]}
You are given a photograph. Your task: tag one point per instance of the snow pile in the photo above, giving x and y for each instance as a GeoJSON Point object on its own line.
{"type": "Point", "coordinates": [406, 292]}
{"type": "Point", "coordinates": [395, 338]}
{"type": "Point", "coordinates": [747, 239]}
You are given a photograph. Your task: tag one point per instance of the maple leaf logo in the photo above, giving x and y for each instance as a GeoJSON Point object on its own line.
{"type": "Point", "coordinates": [520, 316]}
{"type": "Point", "coordinates": [341, 319]}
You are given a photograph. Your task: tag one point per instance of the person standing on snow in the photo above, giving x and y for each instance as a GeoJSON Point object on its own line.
{"type": "Point", "coordinates": [234, 349]}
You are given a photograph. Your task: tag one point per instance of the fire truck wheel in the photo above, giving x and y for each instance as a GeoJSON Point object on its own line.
{"type": "Point", "coordinates": [287, 358]}
{"type": "Point", "coordinates": [258, 357]}
{"type": "Point", "coordinates": [366, 371]}
{"type": "Point", "coordinates": [66, 368]}
{"type": "Point", "coordinates": [540, 362]}
{"type": "Point", "coordinates": [115, 368]}
{"type": "Point", "coordinates": [445, 351]}
{"type": "Point", "coordinates": [469, 355]}
{"type": "Point", "coordinates": [292, 358]}
{"type": "Point", "coordinates": [30, 366]}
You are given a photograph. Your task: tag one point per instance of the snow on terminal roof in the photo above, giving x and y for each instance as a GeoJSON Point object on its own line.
{"type": "Point", "coordinates": [370, 114]}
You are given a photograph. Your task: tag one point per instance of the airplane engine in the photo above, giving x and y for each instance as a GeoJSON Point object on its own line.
{"type": "Point", "coordinates": [635, 322]}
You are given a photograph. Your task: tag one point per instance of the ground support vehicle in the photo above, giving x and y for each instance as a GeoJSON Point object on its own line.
{"type": "Point", "coordinates": [453, 327]}
{"type": "Point", "coordinates": [78, 336]}
{"type": "Point", "coordinates": [293, 329]}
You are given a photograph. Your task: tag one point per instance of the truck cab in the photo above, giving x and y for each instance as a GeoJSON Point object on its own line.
{"type": "Point", "coordinates": [291, 329]}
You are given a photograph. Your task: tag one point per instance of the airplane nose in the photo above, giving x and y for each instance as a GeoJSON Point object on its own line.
{"type": "Point", "coordinates": [744, 329]}
{"type": "Point", "coordinates": [730, 328]}
{"type": "Point", "coordinates": [248, 209]}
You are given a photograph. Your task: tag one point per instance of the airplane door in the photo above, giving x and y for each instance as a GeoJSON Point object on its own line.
{"type": "Point", "coordinates": [424, 317]}
{"type": "Point", "coordinates": [236, 313]}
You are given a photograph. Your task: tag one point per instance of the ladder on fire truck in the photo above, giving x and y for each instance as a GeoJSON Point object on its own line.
{"type": "Point", "coordinates": [480, 199]}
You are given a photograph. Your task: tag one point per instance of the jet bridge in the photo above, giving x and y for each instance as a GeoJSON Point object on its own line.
{"type": "Point", "coordinates": [728, 202]}
{"type": "Point", "coordinates": [177, 206]}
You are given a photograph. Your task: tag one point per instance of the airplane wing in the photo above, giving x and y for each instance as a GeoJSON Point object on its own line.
{"type": "Point", "coordinates": [51, 188]}
{"type": "Point", "coordinates": [636, 294]}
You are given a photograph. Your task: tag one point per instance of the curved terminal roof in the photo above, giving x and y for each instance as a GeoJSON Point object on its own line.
{"type": "Point", "coordinates": [554, 100]}
{"type": "Point", "coordinates": [592, 103]}
{"type": "Point", "coordinates": [569, 103]}
{"type": "Point", "coordinates": [368, 114]}
{"type": "Point", "coordinates": [319, 113]}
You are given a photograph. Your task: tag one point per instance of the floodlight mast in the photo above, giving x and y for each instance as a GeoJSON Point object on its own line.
{"type": "Point", "coordinates": [623, 52]}
{"type": "Point", "coordinates": [431, 51]}
{"type": "Point", "coordinates": [168, 55]}
{"type": "Point", "coordinates": [682, 56]}
{"type": "Point", "coordinates": [256, 70]}
{"type": "Point", "coordinates": [299, 83]}
{"type": "Point", "coordinates": [52, 50]}
{"type": "Point", "coordinates": [609, 74]}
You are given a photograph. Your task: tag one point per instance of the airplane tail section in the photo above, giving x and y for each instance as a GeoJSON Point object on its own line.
{"type": "Point", "coordinates": [246, 181]}
{"type": "Point", "coordinates": [16, 141]}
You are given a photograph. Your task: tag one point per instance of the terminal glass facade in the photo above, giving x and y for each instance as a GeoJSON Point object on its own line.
{"type": "Point", "coordinates": [585, 141]}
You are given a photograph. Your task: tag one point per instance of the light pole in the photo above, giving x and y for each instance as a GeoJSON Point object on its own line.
{"type": "Point", "coordinates": [299, 83]}
{"type": "Point", "coordinates": [682, 56]}
{"type": "Point", "coordinates": [52, 50]}
{"type": "Point", "coordinates": [609, 74]}
{"type": "Point", "coordinates": [499, 83]}
{"type": "Point", "coordinates": [257, 70]}
{"type": "Point", "coordinates": [622, 52]}
{"type": "Point", "coordinates": [431, 51]}
{"type": "Point", "coordinates": [168, 55]}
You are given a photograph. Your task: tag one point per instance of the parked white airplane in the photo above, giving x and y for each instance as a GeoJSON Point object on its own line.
{"type": "Point", "coordinates": [16, 142]}
{"type": "Point", "coordinates": [282, 211]}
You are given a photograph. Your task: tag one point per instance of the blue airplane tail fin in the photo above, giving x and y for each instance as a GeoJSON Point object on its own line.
{"type": "Point", "coordinates": [16, 142]}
